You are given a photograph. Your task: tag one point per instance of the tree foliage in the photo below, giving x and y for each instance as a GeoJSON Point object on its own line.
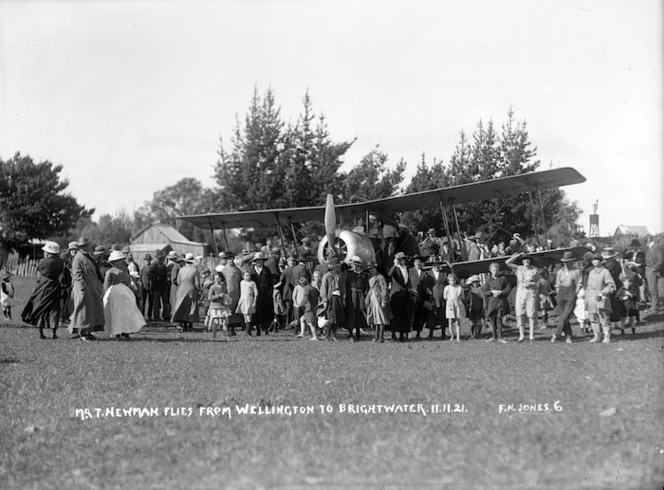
{"type": "Point", "coordinates": [34, 202]}
{"type": "Point", "coordinates": [489, 156]}
{"type": "Point", "coordinates": [186, 196]}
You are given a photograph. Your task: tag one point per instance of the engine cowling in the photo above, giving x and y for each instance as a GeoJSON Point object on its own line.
{"type": "Point", "coordinates": [349, 244]}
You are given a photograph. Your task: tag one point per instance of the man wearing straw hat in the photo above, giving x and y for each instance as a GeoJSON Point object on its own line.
{"type": "Point", "coordinates": [88, 314]}
{"type": "Point", "coordinates": [568, 285]}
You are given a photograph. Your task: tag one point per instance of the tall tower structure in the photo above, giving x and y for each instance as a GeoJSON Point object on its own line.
{"type": "Point", "coordinates": [593, 232]}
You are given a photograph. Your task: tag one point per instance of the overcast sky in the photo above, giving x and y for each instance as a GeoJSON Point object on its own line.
{"type": "Point", "coordinates": [132, 96]}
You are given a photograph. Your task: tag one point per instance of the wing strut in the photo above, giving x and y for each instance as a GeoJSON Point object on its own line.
{"type": "Point", "coordinates": [461, 243]}
{"type": "Point", "coordinates": [281, 235]}
{"type": "Point", "coordinates": [446, 224]}
{"type": "Point", "coordinates": [214, 242]}
{"type": "Point", "coordinates": [292, 229]}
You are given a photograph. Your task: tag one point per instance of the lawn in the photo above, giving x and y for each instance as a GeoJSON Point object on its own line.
{"type": "Point", "coordinates": [596, 418]}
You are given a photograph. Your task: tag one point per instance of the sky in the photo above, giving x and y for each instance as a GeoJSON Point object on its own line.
{"type": "Point", "coordinates": [130, 97]}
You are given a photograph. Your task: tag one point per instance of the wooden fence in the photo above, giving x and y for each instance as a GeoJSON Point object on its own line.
{"type": "Point", "coordinates": [21, 267]}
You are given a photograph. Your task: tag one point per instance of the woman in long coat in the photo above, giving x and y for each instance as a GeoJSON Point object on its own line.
{"type": "Point", "coordinates": [377, 302]}
{"type": "Point", "coordinates": [233, 276]}
{"type": "Point", "coordinates": [88, 314]}
{"type": "Point", "coordinates": [121, 314]}
{"type": "Point", "coordinates": [43, 307]}
{"type": "Point", "coordinates": [598, 302]}
{"type": "Point", "coordinates": [185, 310]}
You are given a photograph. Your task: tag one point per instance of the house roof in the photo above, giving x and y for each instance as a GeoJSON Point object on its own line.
{"type": "Point", "coordinates": [168, 232]}
{"type": "Point", "coordinates": [639, 230]}
{"type": "Point", "coordinates": [147, 247]}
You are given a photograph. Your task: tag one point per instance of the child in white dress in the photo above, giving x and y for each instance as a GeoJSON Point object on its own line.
{"type": "Point", "coordinates": [219, 312]}
{"type": "Point", "coordinates": [247, 304]}
{"type": "Point", "coordinates": [454, 311]}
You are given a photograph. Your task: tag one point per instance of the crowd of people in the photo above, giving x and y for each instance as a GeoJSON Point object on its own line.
{"type": "Point", "coordinates": [261, 292]}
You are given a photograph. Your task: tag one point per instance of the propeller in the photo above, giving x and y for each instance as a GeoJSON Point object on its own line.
{"type": "Point", "coordinates": [330, 222]}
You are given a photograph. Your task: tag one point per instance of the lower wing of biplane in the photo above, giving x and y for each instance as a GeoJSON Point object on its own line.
{"type": "Point", "coordinates": [447, 196]}
{"type": "Point", "coordinates": [544, 258]}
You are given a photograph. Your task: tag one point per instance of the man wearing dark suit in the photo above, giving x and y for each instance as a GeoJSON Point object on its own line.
{"type": "Point", "coordinates": [272, 264]}
{"type": "Point", "coordinates": [159, 288]}
{"type": "Point", "coordinates": [417, 274]}
{"type": "Point", "coordinates": [437, 284]}
{"type": "Point", "coordinates": [145, 285]}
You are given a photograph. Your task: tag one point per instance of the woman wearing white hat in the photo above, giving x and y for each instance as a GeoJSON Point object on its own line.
{"type": "Point", "coordinates": [185, 310]}
{"type": "Point", "coordinates": [121, 315]}
{"type": "Point", "coordinates": [43, 307]}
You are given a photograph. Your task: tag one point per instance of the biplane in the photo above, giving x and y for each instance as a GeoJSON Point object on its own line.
{"type": "Point", "coordinates": [347, 243]}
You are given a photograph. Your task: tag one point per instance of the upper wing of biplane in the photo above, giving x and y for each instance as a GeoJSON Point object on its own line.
{"type": "Point", "coordinates": [477, 191]}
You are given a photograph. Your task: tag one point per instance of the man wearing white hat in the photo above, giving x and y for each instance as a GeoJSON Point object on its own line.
{"type": "Point", "coordinates": [88, 315]}
{"type": "Point", "coordinates": [43, 307]}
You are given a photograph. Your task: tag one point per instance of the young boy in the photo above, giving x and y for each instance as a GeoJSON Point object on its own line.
{"type": "Point", "coordinates": [629, 295]}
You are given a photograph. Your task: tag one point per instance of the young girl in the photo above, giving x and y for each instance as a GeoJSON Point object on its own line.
{"type": "Point", "coordinates": [629, 295]}
{"type": "Point", "coordinates": [247, 303]}
{"type": "Point", "coordinates": [475, 298]}
{"type": "Point", "coordinates": [305, 298]}
{"type": "Point", "coordinates": [6, 294]}
{"type": "Point", "coordinates": [219, 312]}
{"type": "Point", "coordinates": [455, 311]}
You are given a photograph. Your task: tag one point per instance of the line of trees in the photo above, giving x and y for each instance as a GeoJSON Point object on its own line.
{"type": "Point", "coordinates": [270, 163]}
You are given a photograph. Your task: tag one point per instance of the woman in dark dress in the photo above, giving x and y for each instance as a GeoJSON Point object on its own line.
{"type": "Point", "coordinates": [43, 307]}
{"type": "Point", "coordinates": [400, 299]}
{"type": "Point", "coordinates": [357, 285]}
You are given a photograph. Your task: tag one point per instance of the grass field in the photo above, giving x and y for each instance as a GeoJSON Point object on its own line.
{"type": "Point", "coordinates": [45, 443]}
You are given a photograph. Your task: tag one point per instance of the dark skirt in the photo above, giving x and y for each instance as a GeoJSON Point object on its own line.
{"type": "Point", "coordinates": [401, 318]}
{"type": "Point", "coordinates": [618, 311]}
{"type": "Point", "coordinates": [44, 300]}
{"type": "Point", "coordinates": [335, 311]}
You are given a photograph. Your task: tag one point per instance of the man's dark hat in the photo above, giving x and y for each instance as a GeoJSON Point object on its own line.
{"type": "Point", "coordinates": [226, 255]}
{"type": "Point", "coordinates": [635, 243]}
{"type": "Point", "coordinates": [568, 257]}
{"type": "Point", "coordinates": [147, 257]}
{"type": "Point", "coordinates": [161, 254]}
